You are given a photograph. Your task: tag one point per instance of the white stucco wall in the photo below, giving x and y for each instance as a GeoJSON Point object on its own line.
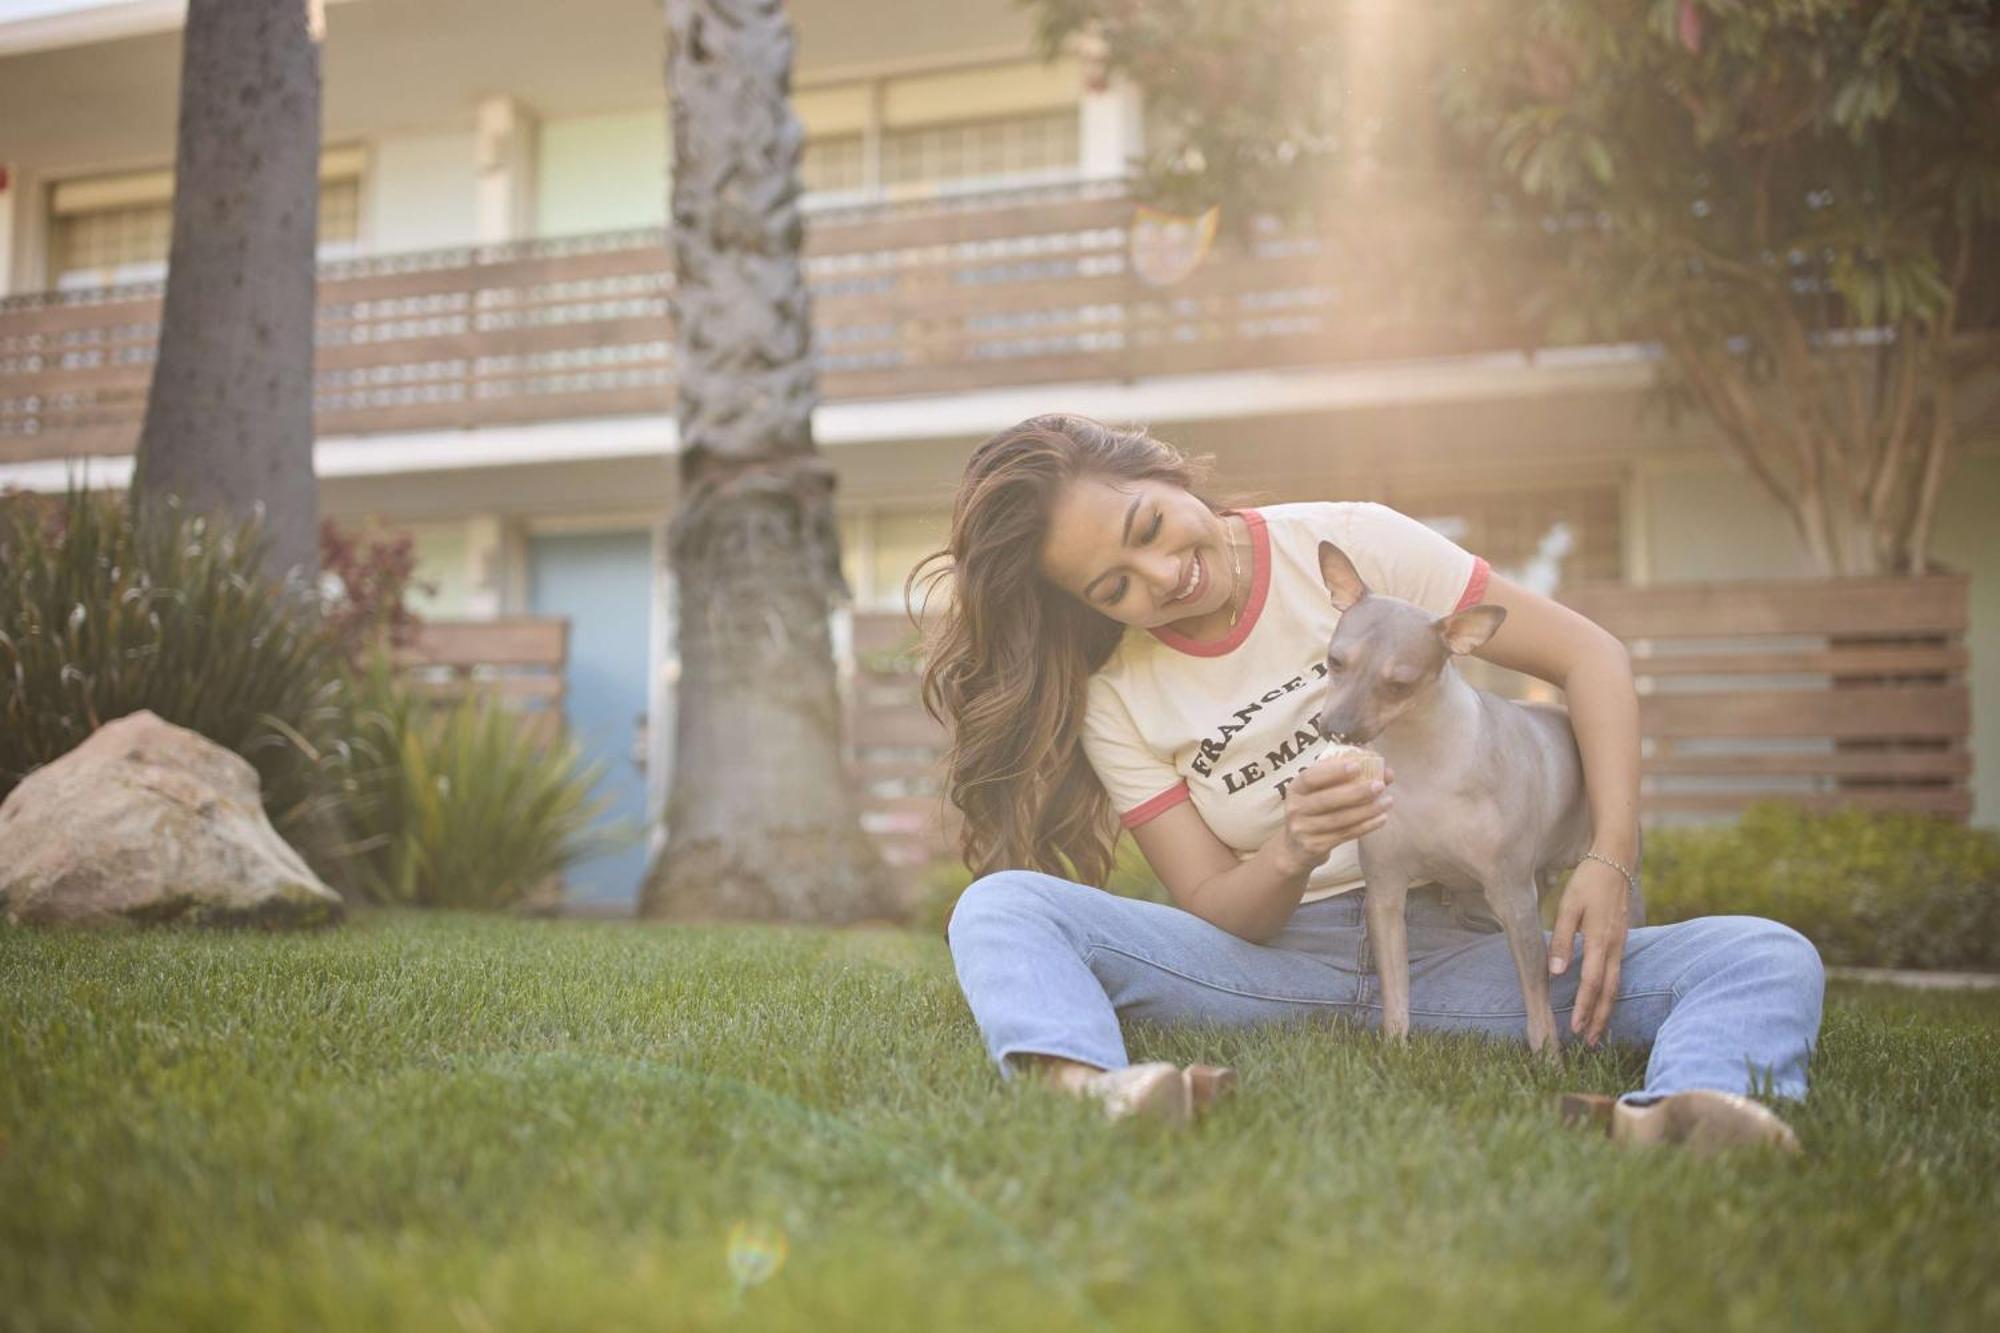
{"type": "Point", "coordinates": [421, 192]}
{"type": "Point", "coordinates": [1968, 537]}
{"type": "Point", "coordinates": [602, 173]}
{"type": "Point", "coordinates": [442, 560]}
{"type": "Point", "coordinates": [1703, 520]}
{"type": "Point", "coordinates": [443, 557]}
{"type": "Point", "coordinates": [605, 172]}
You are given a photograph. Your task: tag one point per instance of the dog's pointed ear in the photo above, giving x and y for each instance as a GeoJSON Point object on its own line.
{"type": "Point", "coordinates": [1343, 584]}
{"type": "Point", "coordinates": [1462, 631]}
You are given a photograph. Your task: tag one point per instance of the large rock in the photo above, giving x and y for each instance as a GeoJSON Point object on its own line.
{"type": "Point", "coordinates": [150, 822]}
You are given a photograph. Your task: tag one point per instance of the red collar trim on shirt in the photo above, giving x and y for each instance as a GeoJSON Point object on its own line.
{"type": "Point", "coordinates": [1260, 583]}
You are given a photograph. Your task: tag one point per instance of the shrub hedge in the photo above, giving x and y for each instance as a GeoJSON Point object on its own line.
{"type": "Point", "coordinates": [101, 617]}
{"type": "Point", "coordinates": [388, 797]}
{"type": "Point", "coordinates": [460, 805]}
{"type": "Point", "coordinates": [1870, 890]}
{"type": "Point", "coordinates": [944, 880]}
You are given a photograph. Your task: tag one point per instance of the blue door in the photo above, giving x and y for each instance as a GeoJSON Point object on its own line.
{"type": "Point", "coordinates": [603, 582]}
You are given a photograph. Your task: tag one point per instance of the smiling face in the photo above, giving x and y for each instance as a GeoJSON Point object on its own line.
{"type": "Point", "coordinates": [1144, 553]}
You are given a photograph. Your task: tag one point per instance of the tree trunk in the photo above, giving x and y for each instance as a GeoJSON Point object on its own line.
{"type": "Point", "coordinates": [229, 414]}
{"type": "Point", "coordinates": [760, 817]}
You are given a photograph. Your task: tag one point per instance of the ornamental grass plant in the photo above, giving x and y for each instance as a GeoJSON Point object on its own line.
{"type": "Point", "coordinates": [101, 616]}
{"type": "Point", "coordinates": [463, 804]}
{"type": "Point", "coordinates": [390, 797]}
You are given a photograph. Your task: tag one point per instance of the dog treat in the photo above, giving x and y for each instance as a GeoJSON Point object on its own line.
{"type": "Point", "coordinates": [1370, 762]}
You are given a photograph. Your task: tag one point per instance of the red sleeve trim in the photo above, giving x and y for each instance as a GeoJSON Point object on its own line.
{"type": "Point", "coordinates": [1156, 806]}
{"type": "Point", "coordinates": [1475, 587]}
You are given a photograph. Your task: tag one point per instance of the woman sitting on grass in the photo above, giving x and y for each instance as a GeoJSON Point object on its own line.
{"type": "Point", "coordinates": [1116, 645]}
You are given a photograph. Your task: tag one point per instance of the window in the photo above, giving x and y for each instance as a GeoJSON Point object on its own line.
{"type": "Point", "coordinates": [1572, 535]}
{"type": "Point", "coordinates": [987, 126]}
{"type": "Point", "coordinates": [339, 217]}
{"type": "Point", "coordinates": [1043, 141]}
{"type": "Point", "coordinates": [879, 548]}
{"type": "Point", "coordinates": [111, 245]}
{"type": "Point", "coordinates": [835, 163]}
{"type": "Point", "coordinates": [1546, 539]}
{"type": "Point", "coordinates": [114, 229]}
{"type": "Point", "coordinates": [901, 540]}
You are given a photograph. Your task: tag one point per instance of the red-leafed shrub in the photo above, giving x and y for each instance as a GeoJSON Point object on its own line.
{"type": "Point", "coordinates": [373, 578]}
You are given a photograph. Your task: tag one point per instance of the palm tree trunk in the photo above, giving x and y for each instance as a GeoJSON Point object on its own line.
{"type": "Point", "coordinates": [761, 821]}
{"type": "Point", "coordinates": [229, 414]}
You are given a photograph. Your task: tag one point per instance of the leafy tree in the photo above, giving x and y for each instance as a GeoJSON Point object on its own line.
{"type": "Point", "coordinates": [761, 819]}
{"type": "Point", "coordinates": [1788, 197]}
{"type": "Point", "coordinates": [1240, 106]}
{"type": "Point", "coordinates": [228, 423]}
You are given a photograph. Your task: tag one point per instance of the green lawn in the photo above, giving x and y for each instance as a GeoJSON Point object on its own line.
{"type": "Point", "coordinates": [461, 1123]}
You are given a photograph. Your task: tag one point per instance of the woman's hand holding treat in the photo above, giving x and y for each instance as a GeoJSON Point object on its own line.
{"type": "Point", "coordinates": [1339, 797]}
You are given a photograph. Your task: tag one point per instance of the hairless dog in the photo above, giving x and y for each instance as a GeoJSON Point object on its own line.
{"type": "Point", "coordinates": [1489, 793]}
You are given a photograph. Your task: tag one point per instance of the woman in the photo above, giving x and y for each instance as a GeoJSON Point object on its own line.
{"type": "Point", "coordinates": [1119, 650]}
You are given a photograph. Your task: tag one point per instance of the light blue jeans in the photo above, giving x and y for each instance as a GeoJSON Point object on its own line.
{"type": "Point", "coordinates": [1050, 966]}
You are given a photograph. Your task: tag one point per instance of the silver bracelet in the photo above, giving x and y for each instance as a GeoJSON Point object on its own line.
{"type": "Point", "coordinates": [1631, 879]}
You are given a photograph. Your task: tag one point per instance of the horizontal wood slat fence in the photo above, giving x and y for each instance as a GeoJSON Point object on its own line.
{"type": "Point", "coordinates": [1823, 693]}
{"type": "Point", "coordinates": [895, 750]}
{"type": "Point", "coordinates": [1837, 692]}
{"type": "Point", "coordinates": [1016, 288]}
{"type": "Point", "coordinates": [521, 661]}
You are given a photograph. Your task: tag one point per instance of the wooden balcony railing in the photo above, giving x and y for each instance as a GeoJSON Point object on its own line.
{"type": "Point", "coordinates": [999, 290]}
{"type": "Point", "coordinates": [521, 661]}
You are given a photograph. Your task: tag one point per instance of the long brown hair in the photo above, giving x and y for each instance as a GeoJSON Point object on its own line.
{"type": "Point", "coordinates": [1008, 659]}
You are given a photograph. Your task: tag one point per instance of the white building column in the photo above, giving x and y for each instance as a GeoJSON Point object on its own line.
{"type": "Point", "coordinates": [504, 145]}
{"type": "Point", "coordinates": [13, 234]}
{"type": "Point", "coordinates": [1112, 128]}
{"type": "Point", "coordinates": [663, 691]}
{"type": "Point", "coordinates": [485, 566]}
{"type": "Point", "coordinates": [1635, 497]}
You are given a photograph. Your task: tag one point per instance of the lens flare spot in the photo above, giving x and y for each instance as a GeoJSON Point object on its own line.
{"type": "Point", "coordinates": [756, 1252]}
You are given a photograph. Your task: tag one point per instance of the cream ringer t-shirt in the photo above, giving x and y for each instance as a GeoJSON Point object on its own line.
{"type": "Point", "coordinates": [1229, 724]}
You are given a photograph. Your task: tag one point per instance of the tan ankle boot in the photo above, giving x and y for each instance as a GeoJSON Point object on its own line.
{"type": "Point", "coordinates": [1159, 1091]}
{"type": "Point", "coordinates": [1209, 1083]}
{"type": "Point", "coordinates": [1155, 1091]}
{"type": "Point", "coordinates": [1703, 1120]}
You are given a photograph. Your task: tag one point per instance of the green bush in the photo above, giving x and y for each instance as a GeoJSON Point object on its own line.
{"type": "Point", "coordinates": [944, 880]}
{"type": "Point", "coordinates": [1872, 890]}
{"type": "Point", "coordinates": [388, 797]}
{"type": "Point", "coordinates": [101, 617]}
{"type": "Point", "coordinates": [461, 806]}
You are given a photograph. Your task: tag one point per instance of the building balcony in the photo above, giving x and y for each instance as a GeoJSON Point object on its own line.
{"type": "Point", "coordinates": [1055, 285]}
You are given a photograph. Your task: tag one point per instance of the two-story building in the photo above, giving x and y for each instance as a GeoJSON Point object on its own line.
{"type": "Point", "coordinates": [496, 372]}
